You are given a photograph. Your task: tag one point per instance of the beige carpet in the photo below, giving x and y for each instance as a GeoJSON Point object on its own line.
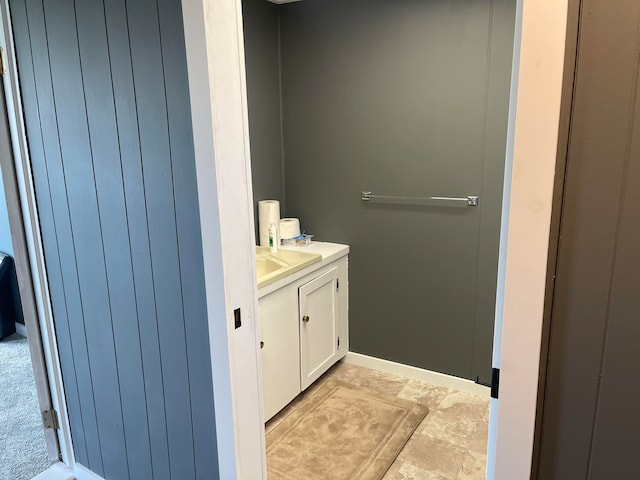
{"type": "Point", "coordinates": [341, 432]}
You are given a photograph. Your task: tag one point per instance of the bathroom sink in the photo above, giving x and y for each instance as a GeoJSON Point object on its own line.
{"type": "Point", "coordinates": [266, 264]}
{"type": "Point", "coordinates": [271, 267]}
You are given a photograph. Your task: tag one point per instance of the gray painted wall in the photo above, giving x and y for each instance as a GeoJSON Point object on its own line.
{"type": "Point", "coordinates": [262, 52]}
{"type": "Point", "coordinates": [407, 97]}
{"type": "Point", "coordinates": [106, 104]}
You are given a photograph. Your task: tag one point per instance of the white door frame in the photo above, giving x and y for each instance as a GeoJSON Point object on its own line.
{"type": "Point", "coordinates": [215, 55]}
{"type": "Point", "coordinates": [33, 240]}
{"type": "Point", "coordinates": [215, 63]}
{"type": "Point", "coordinates": [532, 141]}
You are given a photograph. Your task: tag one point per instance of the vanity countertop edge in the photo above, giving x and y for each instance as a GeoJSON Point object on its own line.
{"type": "Point", "coordinates": [330, 252]}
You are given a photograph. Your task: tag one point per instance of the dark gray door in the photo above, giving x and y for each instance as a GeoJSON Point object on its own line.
{"type": "Point", "coordinates": [590, 422]}
{"type": "Point", "coordinates": [106, 103]}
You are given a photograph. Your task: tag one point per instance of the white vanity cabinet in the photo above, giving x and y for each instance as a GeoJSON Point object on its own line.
{"type": "Point", "coordinates": [319, 337]}
{"type": "Point", "coordinates": [280, 349]}
{"type": "Point", "coordinates": [303, 326]}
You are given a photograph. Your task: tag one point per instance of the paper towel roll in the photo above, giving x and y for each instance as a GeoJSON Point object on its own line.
{"type": "Point", "coordinates": [289, 228]}
{"type": "Point", "coordinates": [268, 213]}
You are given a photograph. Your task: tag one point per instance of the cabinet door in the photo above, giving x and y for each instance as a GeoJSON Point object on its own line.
{"type": "Point", "coordinates": [319, 318]}
{"type": "Point", "coordinates": [280, 349]}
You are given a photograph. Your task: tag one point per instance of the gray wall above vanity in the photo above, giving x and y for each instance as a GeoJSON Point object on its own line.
{"type": "Point", "coordinates": [409, 98]}
{"type": "Point", "coordinates": [262, 51]}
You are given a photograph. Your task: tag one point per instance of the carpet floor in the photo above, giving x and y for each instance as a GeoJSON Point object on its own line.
{"type": "Point", "coordinates": [23, 452]}
{"type": "Point", "coordinates": [341, 432]}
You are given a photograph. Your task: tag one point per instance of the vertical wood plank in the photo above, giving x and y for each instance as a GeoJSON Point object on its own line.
{"type": "Point", "coordinates": [189, 237]}
{"type": "Point", "coordinates": [10, 180]}
{"type": "Point", "coordinates": [108, 122]}
{"type": "Point", "coordinates": [127, 121]}
{"type": "Point", "coordinates": [105, 148]}
{"type": "Point", "coordinates": [67, 260]}
{"type": "Point", "coordinates": [68, 91]}
{"type": "Point", "coordinates": [615, 441]}
{"type": "Point", "coordinates": [157, 173]}
{"type": "Point", "coordinates": [48, 225]}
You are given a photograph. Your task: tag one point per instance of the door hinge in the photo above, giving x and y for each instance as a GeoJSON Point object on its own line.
{"type": "Point", "coordinates": [337, 284]}
{"type": "Point", "coordinates": [50, 419]}
{"type": "Point", "coordinates": [3, 62]}
{"type": "Point", "coordinates": [495, 382]}
{"type": "Point", "coordinates": [338, 342]}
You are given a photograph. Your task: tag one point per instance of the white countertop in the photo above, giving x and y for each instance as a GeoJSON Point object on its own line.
{"type": "Point", "coordinates": [329, 251]}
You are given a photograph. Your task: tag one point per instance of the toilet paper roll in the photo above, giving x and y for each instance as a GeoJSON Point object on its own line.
{"type": "Point", "coordinates": [289, 228]}
{"type": "Point", "coordinates": [268, 213]}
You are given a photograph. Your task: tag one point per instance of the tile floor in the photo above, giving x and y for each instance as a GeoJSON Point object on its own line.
{"type": "Point", "coordinates": [449, 444]}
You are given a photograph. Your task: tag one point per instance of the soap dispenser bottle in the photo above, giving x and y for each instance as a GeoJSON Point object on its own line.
{"type": "Point", "coordinates": [272, 238]}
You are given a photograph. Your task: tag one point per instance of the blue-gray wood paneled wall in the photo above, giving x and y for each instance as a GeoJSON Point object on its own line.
{"type": "Point", "coordinates": [106, 104]}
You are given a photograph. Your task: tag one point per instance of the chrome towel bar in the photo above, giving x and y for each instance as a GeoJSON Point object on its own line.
{"type": "Point", "coordinates": [469, 201]}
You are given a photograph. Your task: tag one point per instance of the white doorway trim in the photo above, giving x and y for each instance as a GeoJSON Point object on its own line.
{"type": "Point", "coordinates": [215, 62]}
{"type": "Point", "coordinates": [218, 96]}
{"type": "Point", "coordinates": [532, 142]}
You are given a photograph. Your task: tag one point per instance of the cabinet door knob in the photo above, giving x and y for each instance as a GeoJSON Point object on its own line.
{"type": "Point", "coordinates": [261, 344]}
{"type": "Point", "coordinates": [305, 319]}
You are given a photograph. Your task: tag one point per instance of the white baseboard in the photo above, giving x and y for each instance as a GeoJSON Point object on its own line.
{"type": "Point", "coordinates": [21, 329]}
{"type": "Point", "coordinates": [83, 473]}
{"type": "Point", "coordinates": [57, 471]}
{"type": "Point", "coordinates": [415, 373]}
